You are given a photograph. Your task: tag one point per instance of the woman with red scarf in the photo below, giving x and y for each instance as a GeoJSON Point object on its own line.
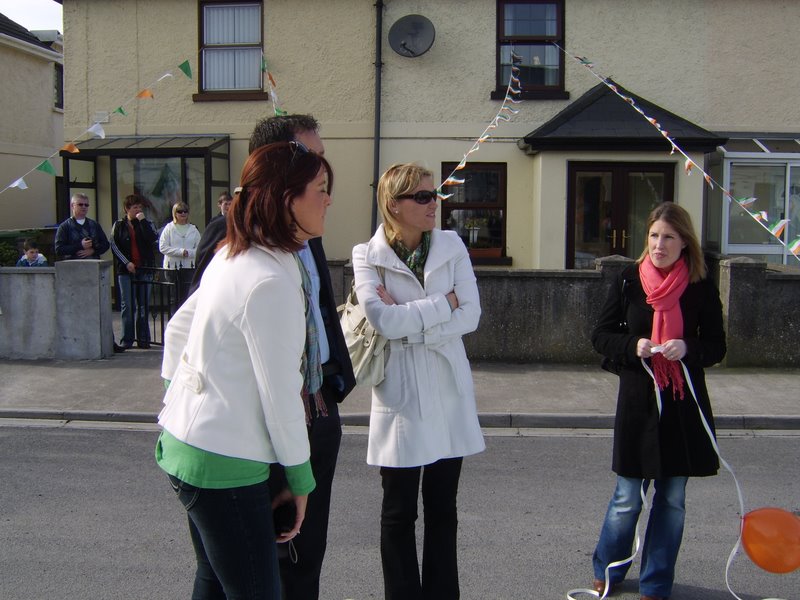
{"type": "Point", "coordinates": [661, 311]}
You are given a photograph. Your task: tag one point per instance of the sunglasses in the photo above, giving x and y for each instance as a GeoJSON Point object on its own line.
{"type": "Point", "coordinates": [182, 212]}
{"type": "Point", "coordinates": [298, 149]}
{"type": "Point", "coordinates": [421, 197]}
{"type": "Point", "coordinates": [82, 204]}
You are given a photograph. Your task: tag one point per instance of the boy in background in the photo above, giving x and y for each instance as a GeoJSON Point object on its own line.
{"type": "Point", "coordinates": [31, 258]}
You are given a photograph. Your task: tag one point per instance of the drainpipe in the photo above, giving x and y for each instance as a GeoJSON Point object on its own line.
{"type": "Point", "coordinates": [376, 150]}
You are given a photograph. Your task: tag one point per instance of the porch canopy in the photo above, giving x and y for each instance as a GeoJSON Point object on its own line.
{"type": "Point", "coordinates": [600, 120]}
{"type": "Point", "coordinates": [200, 162]}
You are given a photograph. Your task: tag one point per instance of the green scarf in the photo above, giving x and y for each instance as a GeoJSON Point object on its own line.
{"type": "Point", "coordinates": [414, 260]}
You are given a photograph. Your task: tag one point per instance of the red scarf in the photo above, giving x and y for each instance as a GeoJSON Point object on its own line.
{"type": "Point", "coordinates": [663, 295]}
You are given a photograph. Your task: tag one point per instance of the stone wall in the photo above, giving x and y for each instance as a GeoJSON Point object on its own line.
{"type": "Point", "coordinates": [547, 316]}
{"type": "Point", "coordinates": [61, 312]}
{"type": "Point", "coordinates": [542, 316]}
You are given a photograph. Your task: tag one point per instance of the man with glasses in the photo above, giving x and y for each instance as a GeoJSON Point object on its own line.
{"type": "Point", "coordinates": [301, 567]}
{"type": "Point", "coordinates": [79, 236]}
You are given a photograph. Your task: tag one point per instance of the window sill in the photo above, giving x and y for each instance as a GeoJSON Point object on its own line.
{"type": "Point", "coordinates": [502, 261]}
{"type": "Point", "coordinates": [532, 95]}
{"type": "Point", "coordinates": [229, 96]}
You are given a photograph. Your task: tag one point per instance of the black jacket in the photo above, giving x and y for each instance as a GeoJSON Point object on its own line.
{"type": "Point", "coordinates": [646, 446]}
{"type": "Point", "coordinates": [70, 234]}
{"type": "Point", "coordinates": [146, 238]}
{"type": "Point", "coordinates": [335, 386]}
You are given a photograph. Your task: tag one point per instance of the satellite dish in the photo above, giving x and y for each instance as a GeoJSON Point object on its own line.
{"type": "Point", "coordinates": [412, 35]}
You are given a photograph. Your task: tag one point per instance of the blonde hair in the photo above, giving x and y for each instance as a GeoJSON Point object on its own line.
{"type": "Point", "coordinates": [677, 218]}
{"type": "Point", "coordinates": [399, 179]}
{"type": "Point", "coordinates": [175, 207]}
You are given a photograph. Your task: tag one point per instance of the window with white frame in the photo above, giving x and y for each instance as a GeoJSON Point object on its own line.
{"type": "Point", "coordinates": [231, 46]}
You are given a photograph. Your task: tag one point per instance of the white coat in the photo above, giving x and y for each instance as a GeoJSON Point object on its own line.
{"type": "Point", "coordinates": [232, 353]}
{"type": "Point", "coordinates": [172, 243]}
{"type": "Point", "coordinates": [424, 410]}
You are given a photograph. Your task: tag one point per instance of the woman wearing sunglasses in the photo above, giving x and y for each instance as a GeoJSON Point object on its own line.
{"type": "Point", "coordinates": [242, 357]}
{"type": "Point", "coordinates": [179, 239]}
{"type": "Point", "coordinates": [418, 290]}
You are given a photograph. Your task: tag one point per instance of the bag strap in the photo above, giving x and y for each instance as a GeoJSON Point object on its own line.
{"type": "Point", "coordinates": [352, 298]}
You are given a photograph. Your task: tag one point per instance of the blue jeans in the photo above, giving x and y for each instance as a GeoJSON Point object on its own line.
{"type": "Point", "coordinates": [134, 296]}
{"type": "Point", "coordinates": [234, 541]}
{"type": "Point", "coordinates": [662, 539]}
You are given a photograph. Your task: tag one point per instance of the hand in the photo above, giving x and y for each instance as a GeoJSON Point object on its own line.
{"type": "Point", "coordinates": [131, 267]}
{"type": "Point", "coordinates": [384, 295]}
{"type": "Point", "coordinates": [140, 216]}
{"type": "Point", "coordinates": [643, 348]}
{"type": "Point", "coordinates": [85, 253]}
{"type": "Point", "coordinates": [185, 253]}
{"type": "Point", "coordinates": [452, 300]}
{"type": "Point", "coordinates": [673, 349]}
{"type": "Point", "coordinates": [86, 243]}
{"type": "Point", "coordinates": [300, 503]}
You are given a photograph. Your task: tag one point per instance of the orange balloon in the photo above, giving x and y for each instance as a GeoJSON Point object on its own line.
{"type": "Point", "coordinates": [771, 538]}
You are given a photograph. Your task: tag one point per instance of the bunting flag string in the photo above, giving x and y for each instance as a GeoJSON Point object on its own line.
{"type": "Point", "coordinates": [96, 129]}
{"type": "Point", "coordinates": [273, 94]}
{"type": "Point", "coordinates": [774, 228]}
{"type": "Point", "coordinates": [512, 90]}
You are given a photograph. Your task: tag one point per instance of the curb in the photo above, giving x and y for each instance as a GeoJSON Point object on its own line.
{"type": "Point", "coordinates": [489, 420]}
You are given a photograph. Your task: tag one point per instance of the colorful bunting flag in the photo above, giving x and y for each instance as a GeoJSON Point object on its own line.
{"type": "Point", "coordinates": [164, 76]}
{"type": "Point", "coordinates": [121, 111]}
{"type": "Point", "coordinates": [97, 130]}
{"type": "Point", "coordinates": [145, 93]}
{"type": "Point", "coordinates": [794, 247]}
{"type": "Point", "coordinates": [70, 147]}
{"type": "Point", "coordinates": [46, 167]}
{"type": "Point", "coordinates": [186, 68]}
{"type": "Point", "coordinates": [19, 183]}
{"type": "Point", "coordinates": [777, 228]}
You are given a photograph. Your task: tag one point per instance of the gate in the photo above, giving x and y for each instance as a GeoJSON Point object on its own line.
{"type": "Point", "coordinates": [169, 289]}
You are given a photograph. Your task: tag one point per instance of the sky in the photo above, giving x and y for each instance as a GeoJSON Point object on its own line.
{"type": "Point", "coordinates": [33, 14]}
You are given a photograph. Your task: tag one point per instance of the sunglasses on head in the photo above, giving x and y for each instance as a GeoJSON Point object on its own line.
{"type": "Point", "coordinates": [180, 211]}
{"type": "Point", "coordinates": [298, 149]}
{"type": "Point", "coordinates": [421, 197]}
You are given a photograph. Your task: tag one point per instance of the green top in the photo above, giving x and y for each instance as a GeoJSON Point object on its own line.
{"type": "Point", "coordinates": [204, 469]}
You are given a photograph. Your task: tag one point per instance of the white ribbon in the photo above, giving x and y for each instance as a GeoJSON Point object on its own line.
{"type": "Point", "coordinates": [722, 461]}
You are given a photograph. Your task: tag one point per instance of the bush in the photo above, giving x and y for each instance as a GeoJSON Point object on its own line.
{"type": "Point", "coordinates": [8, 254]}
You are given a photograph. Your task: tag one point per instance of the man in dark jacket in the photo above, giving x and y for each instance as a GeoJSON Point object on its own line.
{"type": "Point", "coordinates": [300, 577]}
{"type": "Point", "coordinates": [79, 236]}
{"type": "Point", "coordinates": [132, 242]}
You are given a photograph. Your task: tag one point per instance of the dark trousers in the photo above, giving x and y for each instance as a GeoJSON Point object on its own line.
{"type": "Point", "coordinates": [401, 577]}
{"type": "Point", "coordinates": [234, 541]}
{"type": "Point", "coordinates": [301, 568]}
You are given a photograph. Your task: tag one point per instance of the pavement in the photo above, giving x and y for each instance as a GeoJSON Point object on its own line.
{"type": "Point", "coordinates": [127, 388]}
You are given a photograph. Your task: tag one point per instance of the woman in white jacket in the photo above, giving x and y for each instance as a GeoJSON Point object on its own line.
{"type": "Point", "coordinates": [179, 239]}
{"type": "Point", "coordinates": [242, 357]}
{"type": "Point", "coordinates": [418, 290]}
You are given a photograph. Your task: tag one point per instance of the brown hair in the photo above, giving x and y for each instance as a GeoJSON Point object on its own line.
{"type": "Point", "coordinates": [134, 199]}
{"type": "Point", "coordinates": [272, 177]}
{"type": "Point", "coordinates": [398, 179]}
{"type": "Point", "coordinates": [677, 218]}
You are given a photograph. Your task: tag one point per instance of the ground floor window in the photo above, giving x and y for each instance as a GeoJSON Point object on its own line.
{"type": "Point", "coordinates": [776, 190]}
{"type": "Point", "coordinates": [477, 209]}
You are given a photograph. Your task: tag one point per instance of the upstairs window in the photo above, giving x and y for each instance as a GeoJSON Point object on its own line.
{"type": "Point", "coordinates": [58, 85]}
{"type": "Point", "coordinates": [527, 29]}
{"type": "Point", "coordinates": [231, 50]}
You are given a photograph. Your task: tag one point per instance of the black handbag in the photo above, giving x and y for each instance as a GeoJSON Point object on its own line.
{"type": "Point", "coordinates": [614, 365]}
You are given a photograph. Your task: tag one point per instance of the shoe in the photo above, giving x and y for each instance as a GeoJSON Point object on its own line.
{"type": "Point", "coordinates": [118, 349]}
{"type": "Point", "coordinates": [144, 345]}
{"type": "Point", "coordinates": [599, 586]}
